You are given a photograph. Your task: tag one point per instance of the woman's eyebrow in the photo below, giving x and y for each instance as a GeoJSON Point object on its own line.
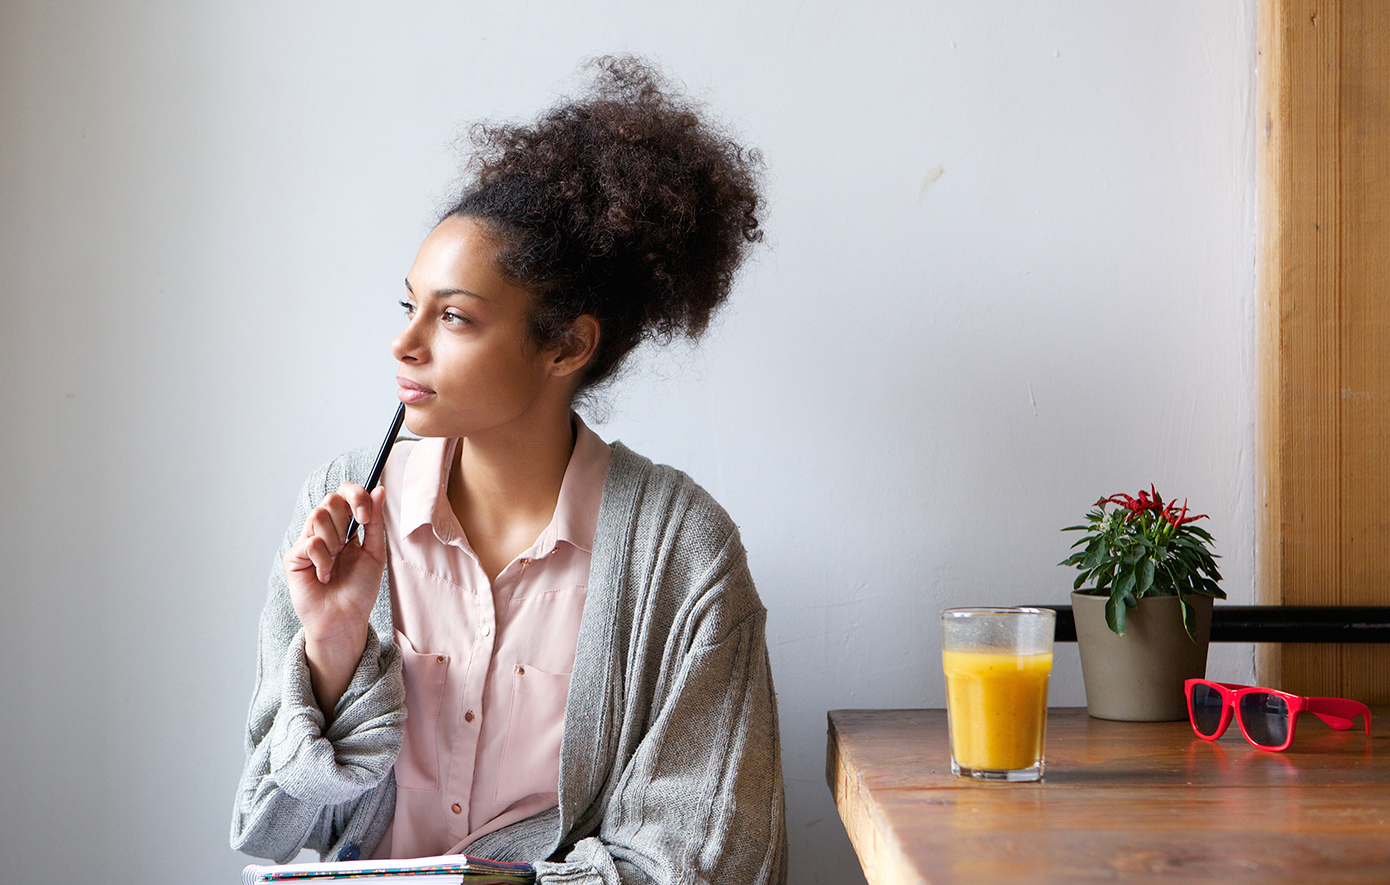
{"type": "Point", "coordinates": [445, 293]}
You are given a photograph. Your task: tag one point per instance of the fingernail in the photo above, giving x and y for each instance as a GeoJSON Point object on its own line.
{"type": "Point", "coordinates": [362, 514]}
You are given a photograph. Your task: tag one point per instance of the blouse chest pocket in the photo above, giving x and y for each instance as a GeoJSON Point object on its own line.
{"type": "Point", "coordinates": [417, 767]}
{"type": "Point", "coordinates": [530, 760]}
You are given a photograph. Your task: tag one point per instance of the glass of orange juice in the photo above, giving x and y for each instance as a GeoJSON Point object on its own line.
{"type": "Point", "coordinates": [997, 661]}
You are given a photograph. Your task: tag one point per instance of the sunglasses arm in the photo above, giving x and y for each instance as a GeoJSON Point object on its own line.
{"type": "Point", "coordinates": [1339, 713]}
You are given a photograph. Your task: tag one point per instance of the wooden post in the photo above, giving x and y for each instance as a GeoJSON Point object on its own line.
{"type": "Point", "coordinates": [1324, 315]}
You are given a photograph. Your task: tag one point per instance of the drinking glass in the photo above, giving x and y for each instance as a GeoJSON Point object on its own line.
{"type": "Point", "coordinates": [997, 661]}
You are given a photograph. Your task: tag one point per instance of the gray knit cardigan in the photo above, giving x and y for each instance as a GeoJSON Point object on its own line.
{"type": "Point", "coordinates": [670, 767]}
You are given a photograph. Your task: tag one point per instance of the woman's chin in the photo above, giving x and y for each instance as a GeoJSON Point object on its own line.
{"type": "Point", "coordinates": [417, 424]}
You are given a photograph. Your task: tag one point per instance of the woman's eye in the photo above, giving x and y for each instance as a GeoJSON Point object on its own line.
{"type": "Point", "coordinates": [456, 319]}
{"type": "Point", "coordinates": [408, 307]}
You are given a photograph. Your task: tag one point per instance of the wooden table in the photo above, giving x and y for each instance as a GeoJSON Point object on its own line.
{"type": "Point", "coordinates": [1120, 802]}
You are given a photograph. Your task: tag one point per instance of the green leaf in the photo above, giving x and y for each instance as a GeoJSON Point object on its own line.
{"type": "Point", "coordinates": [1207, 587]}
{"type": "Point", "coordinates": [1189, 618]}
{"type": "Point", "coordinates": [1095, 552]}
{"type": "Point", "coordinates": [1125, 585]}
{"type": "Point", "coordinates": [1115, 616]}
{"type": "Point", "coordinates": [1146, 575]}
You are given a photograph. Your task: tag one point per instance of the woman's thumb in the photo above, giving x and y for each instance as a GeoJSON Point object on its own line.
{"type": "Point", "coordinates": [374, 531]}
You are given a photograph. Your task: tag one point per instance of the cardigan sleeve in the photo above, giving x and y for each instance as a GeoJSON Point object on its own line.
{"type": "Point", "coordinates": [308, 781]}
{"type": "Point", "coordinates": [701, 798]}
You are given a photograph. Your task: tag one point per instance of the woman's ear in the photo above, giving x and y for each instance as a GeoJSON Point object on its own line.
{"type": "Point", "coordinates": [576, 348]}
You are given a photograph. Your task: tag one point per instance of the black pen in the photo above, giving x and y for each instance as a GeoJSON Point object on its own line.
{"type": "Point", "coordinates": [381, 456]}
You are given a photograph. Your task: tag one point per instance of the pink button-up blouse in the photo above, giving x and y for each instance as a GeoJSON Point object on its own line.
{"type": "Point", "coordinates": [487, 665]}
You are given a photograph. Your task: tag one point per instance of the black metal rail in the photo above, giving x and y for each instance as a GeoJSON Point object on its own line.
{"type": "Point", "coordinates": [1276, 623]}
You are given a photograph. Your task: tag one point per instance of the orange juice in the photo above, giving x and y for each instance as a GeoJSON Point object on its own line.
{"type": "Point", "coordinates": [997, 703]}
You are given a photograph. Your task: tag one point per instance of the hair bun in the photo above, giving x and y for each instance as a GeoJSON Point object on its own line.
{"type": "Point", "coordinates": [626, 203]}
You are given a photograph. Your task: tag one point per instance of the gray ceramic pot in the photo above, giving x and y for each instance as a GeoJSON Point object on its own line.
{"type": "Point", "coordinates": [1138, 677]}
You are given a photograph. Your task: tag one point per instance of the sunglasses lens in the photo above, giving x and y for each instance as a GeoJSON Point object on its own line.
{"type": "Point", "coordinates": [1266, 718]}
{"type": "Point", "coordinates": [1206, 709]}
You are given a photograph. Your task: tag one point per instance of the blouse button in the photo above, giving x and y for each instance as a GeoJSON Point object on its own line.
{"type": "Point", "coordinates": [457, 808]}
{"type": "Point", "coordinates": [521, 671]}
{"type": "Point", "coordinates": [468, 717]}
{"type": "Point", "coordinates": [487, 630]}
{"type": "Point", "coordinates": [439, 659]}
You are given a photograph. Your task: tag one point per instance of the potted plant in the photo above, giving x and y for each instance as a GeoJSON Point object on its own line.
{"type": "Point", "coordinates": [1142, 605]}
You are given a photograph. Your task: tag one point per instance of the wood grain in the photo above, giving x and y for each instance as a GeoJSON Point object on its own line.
{"type": "Point", "coordinates": [1323, 175]}
{"type": "Point", "coordinates": [1364, 129]}
{"type": "Point", "coordinates": [1120, 802]}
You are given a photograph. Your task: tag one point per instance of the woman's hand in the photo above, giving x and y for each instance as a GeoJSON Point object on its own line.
{"type": "Point", "coordinates": [333, 586]}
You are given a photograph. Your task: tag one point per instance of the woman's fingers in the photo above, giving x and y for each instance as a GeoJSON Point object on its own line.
{"type": "Point", "coordinates": [332, 586]}
{"type": "Point", "coordinates": [330, 519]}
{"type": "Point", "coordinates": [322, 536]}
{"type": "Point", "coordinates": [374, 535]}
{"type": "Point", "coordinates": [326, 529]}
{"type": "Point", "coordinates": [317, 551]}
{"type": "Point", "coordinates": [358, 502]}
{"type": "Point", "coordinates": [310, 554]}
{"type": "Point", "coordinates": [297, 558]}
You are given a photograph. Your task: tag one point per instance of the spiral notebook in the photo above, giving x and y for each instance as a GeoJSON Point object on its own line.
{"type": "Point", "coordinates": [448, 869]}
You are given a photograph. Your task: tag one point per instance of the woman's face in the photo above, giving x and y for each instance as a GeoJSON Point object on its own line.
{"type": "Point", "coordinates": [467, 363]}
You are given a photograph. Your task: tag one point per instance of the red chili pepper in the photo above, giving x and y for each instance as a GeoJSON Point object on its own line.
{"type": "Point", "coordinates": [1152, 500]}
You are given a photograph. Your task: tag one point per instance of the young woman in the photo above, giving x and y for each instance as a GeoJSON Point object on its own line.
{"type": "Point", "coordinates": [543, 648]}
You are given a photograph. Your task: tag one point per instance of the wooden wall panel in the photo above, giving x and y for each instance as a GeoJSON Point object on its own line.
{"type": "Point", "coordinates": [1365, 317]}
{"type": "Point", "coordinates": [1324, 283]}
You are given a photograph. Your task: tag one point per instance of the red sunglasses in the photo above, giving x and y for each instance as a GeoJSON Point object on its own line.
{"type": "Point", "coordinates": [1266, 717]}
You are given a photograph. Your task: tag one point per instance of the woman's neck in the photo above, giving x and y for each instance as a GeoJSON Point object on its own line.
{"type": "Point", "coordinates": [503, 487]}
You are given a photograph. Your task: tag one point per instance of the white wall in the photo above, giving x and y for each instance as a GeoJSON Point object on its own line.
{"type": "Point", "coordinates": [1011, 271]}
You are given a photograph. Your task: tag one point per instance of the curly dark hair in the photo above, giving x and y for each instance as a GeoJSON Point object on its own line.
{"type": "Point", "coordinates": [624, 203]}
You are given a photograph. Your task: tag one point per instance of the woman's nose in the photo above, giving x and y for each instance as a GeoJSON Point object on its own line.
{"type": "Point", "coordinates": [409, 345]}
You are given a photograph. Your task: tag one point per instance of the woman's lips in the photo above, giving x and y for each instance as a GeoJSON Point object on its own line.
{"type": "Point", "coordinates": [410, 393]}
